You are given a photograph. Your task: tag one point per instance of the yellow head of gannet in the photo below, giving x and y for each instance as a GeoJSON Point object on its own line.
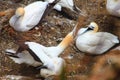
{"type": "Point", "coordinates": [93, 26]}
{"type": "Point", "coordinates": [20, 12]}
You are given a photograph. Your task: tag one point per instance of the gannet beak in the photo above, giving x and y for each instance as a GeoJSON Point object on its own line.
{"type": "Point", "coordinates": [93, 26]}
{"type": "Point", "coordinates": [80, 23]}
{"type": "Point", "coordinates": [87, 29]}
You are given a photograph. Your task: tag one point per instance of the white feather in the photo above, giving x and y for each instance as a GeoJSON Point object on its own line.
{"type": "Point", "coordinates": [32, 16]}
{"type": "Point", "coordinates": [24, 58]}
{"type": "Point", "coordinates": [63, 3]}
{"type": "Point", "coordinates": [95, 43]}
{"type": "Point", "coordinates": [113, 7]}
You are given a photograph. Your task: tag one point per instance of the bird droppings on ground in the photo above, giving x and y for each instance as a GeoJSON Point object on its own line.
{"type": "Point", "coordinates": [51, 32]}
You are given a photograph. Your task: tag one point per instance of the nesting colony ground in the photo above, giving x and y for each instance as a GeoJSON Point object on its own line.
{"type": "Point", "coordinates": [53, 30]}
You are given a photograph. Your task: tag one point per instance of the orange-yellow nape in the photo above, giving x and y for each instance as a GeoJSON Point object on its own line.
{"type": "Point", "coordinates": [20, 11]}
{"type": "Point", "coordinates": [95, 26]}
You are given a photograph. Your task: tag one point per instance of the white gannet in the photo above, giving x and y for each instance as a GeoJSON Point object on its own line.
{"type": "Point", "coordinates": [53, 51]}
{"type": "Point", "coordinates": [113, 7]}
{"type": "Point", "coordinates": [90, 41]}
{"type": "Point", "coordinates": [50, 65]}
{"type": "Point", "coordinates": [28, 17]}
{"type": "Point", "coordinates": [40, 55]}
{"type": "Point", "coordinates": [65, 3]}
{"type": "Point", "coordinates": [54, 65]}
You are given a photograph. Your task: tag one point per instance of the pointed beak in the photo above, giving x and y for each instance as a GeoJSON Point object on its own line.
{"type": "Point", "coordinates": [88, 29]}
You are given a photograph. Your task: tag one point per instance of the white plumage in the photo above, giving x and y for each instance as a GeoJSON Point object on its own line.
{"type": "Point", "coordinates": [54, 64]}
{"type": "Point", "coordinates": [64, 3]}
{"type": "Point", "coordinates": [47, 55]}
{"type": "Point", "coordinates": [113, 7]}
{"type": "Point", "coordinates": [24, 57]}
{"type": "Point", "coordinates": [95, 42]}
{"type": "Point", "coordinates": [29, 16]}
{"type": "Point", "coordinates": [56, 68]}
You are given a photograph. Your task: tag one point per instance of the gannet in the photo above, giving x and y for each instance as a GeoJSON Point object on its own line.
{"type": "Point", "coordinates": [53, 51]}
{"type": "Point", "coordinates": [90, 41]}
{"type": "Point", "coordinates": [28, 17]}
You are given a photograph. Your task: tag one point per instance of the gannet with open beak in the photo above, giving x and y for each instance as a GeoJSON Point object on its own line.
{"type": "Point", "coordinates": [90, 41]}
{"type": "Point", "coordinates": [67, 4]}
{"type": "Point", "coordinates": [113, 7]}
{"type": "Point", "coordinates": [28, 17]}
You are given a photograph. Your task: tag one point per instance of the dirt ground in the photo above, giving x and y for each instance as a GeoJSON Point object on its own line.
{"type": "Point", "coordinates": [51, 32]}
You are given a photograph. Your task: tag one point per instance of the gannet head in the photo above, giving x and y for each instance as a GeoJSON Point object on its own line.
{"type": "Point", "coordinates": [20, 12]}
{"type": "Point", "coordinates": [93, 26]}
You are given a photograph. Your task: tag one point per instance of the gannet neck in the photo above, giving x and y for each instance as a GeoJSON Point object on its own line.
{"type": "Point", "coordinates": [66, 41]}
{"type": "Point", "coordinates": [64, 44]}
{"type": "Point", "coordinates": [20, 12]}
